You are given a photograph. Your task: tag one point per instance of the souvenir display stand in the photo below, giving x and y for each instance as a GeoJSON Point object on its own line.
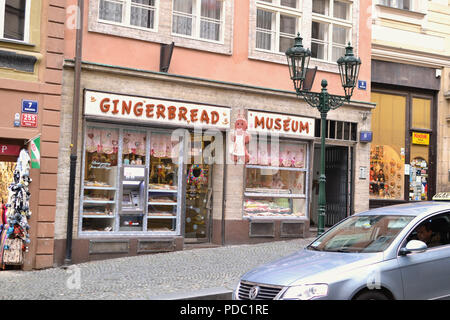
{"type": "Point", "coordinates": [14, 231]}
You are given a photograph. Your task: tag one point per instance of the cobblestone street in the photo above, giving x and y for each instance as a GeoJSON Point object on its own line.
{"type": "Point", "coordinates": [147, 276]}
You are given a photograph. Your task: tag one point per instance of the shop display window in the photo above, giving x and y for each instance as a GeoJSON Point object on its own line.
{"type": "Point", "coordinates": [126, 186]}
{"type": "Point", "coordinates": [133, 147]}
{"type": "Point", "coordinates": [163, 184]}
{"type": "Point", "coordinates": [276, 181]}
{"type": "Point", "coordinates": [386, 173]}
{"type": "Point", "coordinates": [100, 175]}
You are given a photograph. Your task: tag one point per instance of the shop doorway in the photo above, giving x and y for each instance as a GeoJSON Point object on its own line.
{"type": "Point", "coordinates": [198, 193]}
{"type": "Point", "coordinates": [338, 184]}
{"type": "Point", "coordinates": [6, 178]}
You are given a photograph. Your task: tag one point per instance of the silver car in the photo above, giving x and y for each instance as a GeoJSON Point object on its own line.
{"type": "Point", "coordinates": [395, 252]}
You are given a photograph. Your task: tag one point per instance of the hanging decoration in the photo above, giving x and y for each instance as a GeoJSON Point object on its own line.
{"type": "Point", "coordinates": [15, 237]}
{"type": "Point", "coordinates": [240, 138]}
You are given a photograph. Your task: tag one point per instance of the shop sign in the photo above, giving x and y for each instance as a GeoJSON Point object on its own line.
{"type": "Point", "coordinates": [28, 120]}
{"type": "Point", "coordinates": [9, 150]}
{"type": "Point", "coordinates": [281, 124]}
{"type": "Point", "coordinates": [123, 107]}
{"type": "Point", "coordinates": [421, 138]}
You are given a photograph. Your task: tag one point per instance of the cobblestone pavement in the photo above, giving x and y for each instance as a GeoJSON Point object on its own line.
{"type": "Point", "coordinates": [146, 276]}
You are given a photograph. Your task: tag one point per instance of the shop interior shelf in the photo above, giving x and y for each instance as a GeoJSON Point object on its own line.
{"type": "Point", "coordinates": [97, 216]}
{"type": "Point", "coordinates": [162, 203]}
{"type": "Point", "coordinates": [274, 195]}
{"type": "Point", "coordinates": [99, 188]}
{"type": "Point", "coordinates": [162, 191]}
{"type": "Point", "coordinates": [161, 217]}
{"type": "Point", "coordinates": [98, 201]}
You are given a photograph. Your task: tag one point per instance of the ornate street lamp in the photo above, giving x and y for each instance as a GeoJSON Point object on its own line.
{"type": "Point", "coordinates": [298, 60]}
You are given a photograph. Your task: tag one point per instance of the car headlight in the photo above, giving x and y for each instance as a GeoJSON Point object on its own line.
{"type": "Point", "coordinates": [306, 291]}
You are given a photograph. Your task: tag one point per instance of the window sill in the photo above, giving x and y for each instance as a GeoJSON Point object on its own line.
{"type": "Point", "coordinates": [18, 42]}
{"type": "Point", "coordinates": [403, 11]}
{"type": "Point", "coordinates": [401, 15]}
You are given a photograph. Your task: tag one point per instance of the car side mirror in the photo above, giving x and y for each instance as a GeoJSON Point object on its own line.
{"type": "Point", "coordinates": [413, 246]}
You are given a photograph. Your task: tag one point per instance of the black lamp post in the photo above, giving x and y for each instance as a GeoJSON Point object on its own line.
{"type": "Point", "coordinates": [298, 60]}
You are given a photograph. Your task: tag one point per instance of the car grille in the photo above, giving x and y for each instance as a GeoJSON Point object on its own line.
{"type": "Point", "coordinates": [266, 292]}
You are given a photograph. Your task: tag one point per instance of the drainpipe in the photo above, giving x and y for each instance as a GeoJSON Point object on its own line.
{"type": "Point", "coordinates": [74, 141]}
{"type": "Point", "coordinates": [224, 188]}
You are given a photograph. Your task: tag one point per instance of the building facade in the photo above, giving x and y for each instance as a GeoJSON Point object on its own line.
{"type": "Point", "coordinates": [31, 60]}
{"type": "Point", "coordinates": [410, 61]}
{"type": "Point", "coordinates": [172, 90]}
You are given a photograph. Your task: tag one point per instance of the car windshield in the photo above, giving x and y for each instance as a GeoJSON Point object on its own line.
{"type": "Point", "coordinates": [362, 234]}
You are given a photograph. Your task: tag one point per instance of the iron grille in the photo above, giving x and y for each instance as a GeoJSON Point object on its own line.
{"type": "Point", "coordinates": [265, 292]}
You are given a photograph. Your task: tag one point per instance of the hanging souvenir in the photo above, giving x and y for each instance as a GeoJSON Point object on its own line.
{"type": "Point", "coordinates": [18, 212]}
{"type": "Point", "coordinates": [196, 175]}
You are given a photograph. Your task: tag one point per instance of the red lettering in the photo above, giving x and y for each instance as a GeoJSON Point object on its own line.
{"type": "Point", "coordinates": [182, 113]}
{"type": "Point", "coordinates": [286, 124]}
{"type": "Point", "coordinates": [103, 106]}
{"type": "Point", "coordinates": [126, 107]}
{"type": "Point", "coordinates": [171, 112]}
{"type": "Point", "coordinates": [160, 111]}
{"type": "Point", "coordinates": [259, 122]}
{"type": "Point", "coordinates": [204, 117]}
{"type": "Point", "coordinates": [304, 127]}
{"type": "Point", "coordinates": [116, 110]}
{"type": "Point", "coordinates": [214, 117]}
{"type": "Point", "coordinates": [138, 109]}
{"type": "Point", "coordinates": [294, 126]}
{"type": "Point", "coordinates": [277, 123]}
{"type": "Point", "coordinates": [269, 123]}
{"type": "Point", "coordinates": [149, 110]}
{"type": "Point", "coordinates": [194, 115]}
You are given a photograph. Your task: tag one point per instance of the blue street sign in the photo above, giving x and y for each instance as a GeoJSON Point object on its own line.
{"type": "Point", "coordinates": [365, 136]}
{"type": "Point", "coordinates": [362, 84]}
{"type": "Point", "coordinates": [29, 106]}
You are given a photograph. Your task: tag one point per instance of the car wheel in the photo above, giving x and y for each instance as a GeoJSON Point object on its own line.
{"type": "Point", "coordinates": [371, 295]}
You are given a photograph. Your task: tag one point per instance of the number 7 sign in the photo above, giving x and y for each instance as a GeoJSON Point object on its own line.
{"type": "Point", "coordinates": [29, 106]}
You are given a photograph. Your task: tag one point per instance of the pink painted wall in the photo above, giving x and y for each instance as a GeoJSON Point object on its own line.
{"type": "Point", "coordinates": [236, 68]}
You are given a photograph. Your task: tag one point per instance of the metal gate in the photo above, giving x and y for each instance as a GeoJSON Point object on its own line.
{"type": "Point", "coordinates": [337, 184]}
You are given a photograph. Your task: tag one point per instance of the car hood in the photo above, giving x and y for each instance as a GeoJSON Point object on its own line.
{"type": "Point", "coordinates": [306, 264]}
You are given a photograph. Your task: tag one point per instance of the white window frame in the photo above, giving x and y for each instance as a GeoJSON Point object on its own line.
{"type": "Point", "coordinates": [26, 35]}
{"type": "Point", "coordinates": [331, 21]}
{"type": "Point", "coordinates": [126, 15]}
{"type": "Point", "coordinates": [196, 16]}
{"type": "Point", "coordinates": [394, 4]}
{"type": "Point", "coordinates": [277, 9]}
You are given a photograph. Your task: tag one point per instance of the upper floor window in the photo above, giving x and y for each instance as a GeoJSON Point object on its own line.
{"type": "Point", "coordinates": [138, 13]}
{"type": "Point", "coordinates": [400, 4]}
{"type": "Point", "coordinates": [14, 18]}
{"type": "Point", "coordinates": [331, 29]}
{"type": "Point", "coordinates": [201, 19]}
{"type": "Point", "coordinates": [276, 24]}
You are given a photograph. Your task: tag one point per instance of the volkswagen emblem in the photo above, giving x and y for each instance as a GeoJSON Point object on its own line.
{"type": "Point", "coordinates": [253, 293]}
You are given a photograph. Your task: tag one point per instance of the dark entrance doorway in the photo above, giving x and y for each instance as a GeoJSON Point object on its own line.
{"type": "Point", "coordinates": [338, 184]}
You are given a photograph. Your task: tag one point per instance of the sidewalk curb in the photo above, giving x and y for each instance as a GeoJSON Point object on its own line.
{"type": "Point", "coordinates": [219, 293]}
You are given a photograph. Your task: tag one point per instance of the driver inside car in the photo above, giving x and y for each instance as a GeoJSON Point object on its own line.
{"type": "Point", "coordinates": [426, 234]}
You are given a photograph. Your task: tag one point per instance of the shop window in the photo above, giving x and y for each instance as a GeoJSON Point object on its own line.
{"type": "Point", "coordinates": [330, 29]}
{"type": "Point", "coordinates": [387, 154]}
{"type": "Point", "coordinates": [163, 184]}
{"type": "Point", "coordinates": [14, 19]}
{"type": "Point", "coordinates": [100, 179]}
{"type": "Point", "coordinates": [202, 19]}
{"type": "Point", "coordinates": [276, 178]}
{"type": "Point", "coordinates": [129, 184]}
{"type": "Point", "coordinates": [421, 113]}
{"type": "Point", "coordinates": [276, 26]}
{"type": "Point", "coordinates": [137, 13]}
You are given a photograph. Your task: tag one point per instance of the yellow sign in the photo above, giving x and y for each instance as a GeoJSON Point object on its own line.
{"type": "Point", "coordinates": [421, 138]}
